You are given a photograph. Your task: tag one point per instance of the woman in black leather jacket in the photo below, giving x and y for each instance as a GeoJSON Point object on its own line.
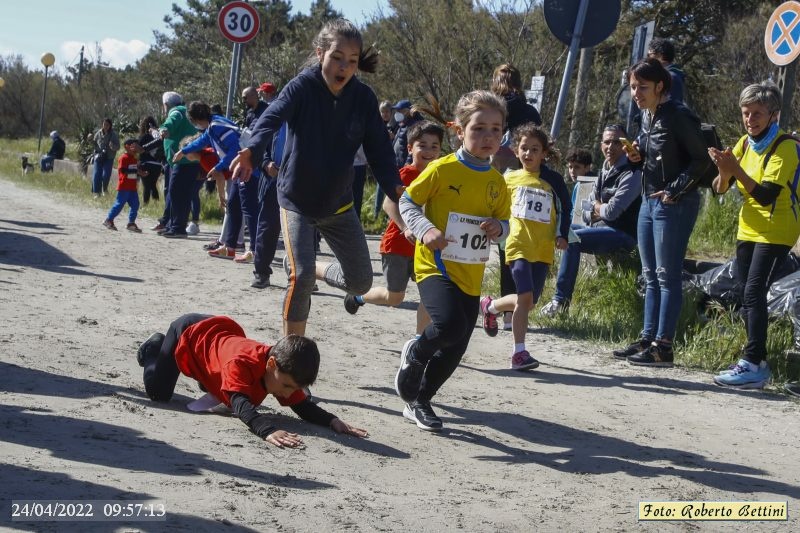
{"type": "Point", "coordinates": [673, 155]}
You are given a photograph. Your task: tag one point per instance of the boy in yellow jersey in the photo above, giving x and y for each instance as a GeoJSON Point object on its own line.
{"type": "Point", "coordinates": [466, 205]}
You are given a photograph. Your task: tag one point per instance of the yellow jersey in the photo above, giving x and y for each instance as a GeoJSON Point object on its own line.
{"type": "Point", "coordinates": [532, 226]}
{"type": "Point", "coordinates": [457, 198]}
{"type": "Point", "coordinates": [777, 223]}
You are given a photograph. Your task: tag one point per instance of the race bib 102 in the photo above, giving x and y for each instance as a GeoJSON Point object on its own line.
{"type": "Point", "coordinates": [466, 241]}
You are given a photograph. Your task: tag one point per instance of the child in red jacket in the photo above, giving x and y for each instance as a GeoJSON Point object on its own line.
{"type": "Point", "coordinates": [238, 372]}
{"type": "Point", "coordinates": [127, 187]}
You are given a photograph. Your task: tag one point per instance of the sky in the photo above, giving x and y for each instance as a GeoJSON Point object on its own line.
{"type": "Point", "coordinates": [124, 30]}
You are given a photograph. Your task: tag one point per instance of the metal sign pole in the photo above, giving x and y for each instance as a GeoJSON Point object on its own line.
{"type": "Point", "coordinates": [235, 60]}
{"type": "Point", "coordinates": [573, 52]}
{"type": "Point", "coordinates": [786, 83]}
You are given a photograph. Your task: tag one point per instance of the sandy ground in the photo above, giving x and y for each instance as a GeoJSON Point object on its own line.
{"type": "Point", "coordinates": [573, 446]}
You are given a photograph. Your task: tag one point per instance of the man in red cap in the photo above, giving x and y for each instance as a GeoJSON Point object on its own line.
{"type": "Point", "coordinates": [266, 91]}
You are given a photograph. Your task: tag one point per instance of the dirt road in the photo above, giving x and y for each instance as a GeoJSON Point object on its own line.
{"type": "Point", "coordinates": [573, 446]}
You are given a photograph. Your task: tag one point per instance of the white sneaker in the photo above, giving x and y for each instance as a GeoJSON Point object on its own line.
{"type": "Point", "coordinates": [192, 228]}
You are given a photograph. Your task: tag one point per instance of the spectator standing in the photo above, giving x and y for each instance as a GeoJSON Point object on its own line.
{"type": "Point", "coordinates": [183, 173]}
{"type": "Point", "coordinates": [764, 166]}
{"type": "Point", "coordinates": [151, 160]}
{"type": "Point", "coordinates": [673, 153]}
{"type": "Point", "coordinates": [664, 51]}
{"type": "Point", "coordinates": [267, 92]}
{"type": "Point", "coordinates": [106, 144]}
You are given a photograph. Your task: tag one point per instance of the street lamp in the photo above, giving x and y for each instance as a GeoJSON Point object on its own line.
{"type": "Point", "coordinates": [47, 60]}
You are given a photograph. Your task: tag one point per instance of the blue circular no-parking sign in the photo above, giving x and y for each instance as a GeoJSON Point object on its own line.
{"type": "Point", "coordinates": [782, 38]}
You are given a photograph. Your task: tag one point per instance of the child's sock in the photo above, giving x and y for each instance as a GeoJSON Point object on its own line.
{"type": "Point", "coordinates": [519, 347]}
{"type": "Point", "coordinates": [492, 309]}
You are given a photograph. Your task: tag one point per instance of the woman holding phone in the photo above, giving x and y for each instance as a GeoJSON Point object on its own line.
{"type": "Point", "coordinates": [673, 155]}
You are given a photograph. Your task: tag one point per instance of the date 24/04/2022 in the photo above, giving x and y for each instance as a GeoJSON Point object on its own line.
{"type": "Point", "coordinates": [87, 510]}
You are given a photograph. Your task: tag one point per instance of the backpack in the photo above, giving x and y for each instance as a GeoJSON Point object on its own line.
{"type": "Point", "coordinates": [712, 141]}
{"type": "Point", "coordinates": [791, 185]}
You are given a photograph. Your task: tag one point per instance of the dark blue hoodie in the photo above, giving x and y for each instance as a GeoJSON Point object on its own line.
{"type": "Point", "coordinates": [324, 133]}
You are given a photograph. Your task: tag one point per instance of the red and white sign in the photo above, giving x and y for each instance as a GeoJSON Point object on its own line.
{"type": "Point", "coordinates": [782, 38]}
{"type": "Point", "coordinates": [238, 22]}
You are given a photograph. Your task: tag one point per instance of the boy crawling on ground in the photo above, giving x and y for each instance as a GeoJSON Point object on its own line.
{"type": "Point", "coordinates": [238, 371]}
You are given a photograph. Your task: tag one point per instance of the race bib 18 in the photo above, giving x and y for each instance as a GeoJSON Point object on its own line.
{"type": "Point", "coordinates": [532, 204]}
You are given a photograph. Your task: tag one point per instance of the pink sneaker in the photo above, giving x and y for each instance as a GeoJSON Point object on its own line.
{"type": "Point", "coordinates": [489, 319]}
{"type": "Point", "coordinates": [523, 361]}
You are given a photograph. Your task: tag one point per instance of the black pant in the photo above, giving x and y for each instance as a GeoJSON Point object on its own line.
{"type": "Point", "coordinates": [149, 184]}
{"type": "Point", "coordinates": [453, 314]}
{"type": "Point", "coordinates": [268, 227]}
{"type": "Point", "coordinates": [756, 264]}
{"type": "Point", "coordinates": [507, 285]}
{"type": "Point", "coordinates": [161, 373]}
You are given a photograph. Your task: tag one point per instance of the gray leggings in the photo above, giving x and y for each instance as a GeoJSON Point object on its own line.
{"type": "Point", "coordinates": [352, 272]}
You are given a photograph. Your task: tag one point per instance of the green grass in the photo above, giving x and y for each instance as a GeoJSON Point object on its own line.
{"type": "Point", "coordinates": [714, 234]}
{"type": "Point", "coordinates": [77, 189]}
{"type": "Point", "coordinates": [606, 308]}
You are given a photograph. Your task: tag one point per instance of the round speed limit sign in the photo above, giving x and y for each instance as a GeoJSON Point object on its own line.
{"type": "Point", "coordinates": [238, 22]}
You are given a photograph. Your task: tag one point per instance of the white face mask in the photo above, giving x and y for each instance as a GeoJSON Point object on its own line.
{"type": "Point", "coordinates": [399, 117]}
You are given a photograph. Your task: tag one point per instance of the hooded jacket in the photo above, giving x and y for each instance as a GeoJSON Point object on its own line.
{"type": "Point", "coordinates": [324, 133]}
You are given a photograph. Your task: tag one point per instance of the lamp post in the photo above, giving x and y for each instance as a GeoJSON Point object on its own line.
{"type": "Point", "coordinates": [47, 60]}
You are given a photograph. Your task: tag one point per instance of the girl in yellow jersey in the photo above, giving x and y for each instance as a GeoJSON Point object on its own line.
{"type": "Point", "coordinates": [764, 165]}
{"type": "Point", "coordinates": [454, 208]}
{"type": "Point", "coordinates": [540, 208]}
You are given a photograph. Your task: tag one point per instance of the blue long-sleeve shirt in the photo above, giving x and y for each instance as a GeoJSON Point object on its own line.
{"type": "Point", "coordinates": [221, 134]}
{"type": "Point", "coordinates": [324, 132]}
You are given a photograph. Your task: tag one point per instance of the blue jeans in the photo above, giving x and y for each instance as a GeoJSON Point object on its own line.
{"type": "Point", "coordinates": [243, 205]}
{"type": "Point", "coordinates": [195, 201]}
{"type": "Point", "coordinates": [125, 197]}
{"type": "Point", "coordinates": [268, 227]}
{"type": "Point", "coordinates": [47, 163]}
{"type": "Point", "coordinates": [181, 185]}
{"type": "Point", "coordinates": [101, 176]}
{"type": "Point", "coordinates": [664, 231]}
{"type": "Point", "coordinates": [594, 240]}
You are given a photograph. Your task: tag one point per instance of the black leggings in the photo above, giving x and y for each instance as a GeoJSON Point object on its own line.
{"type": "Point", "coordinates": [453, 315]}
{"type": "Point", "coordinates": [161, 373]}
{"type": "Point", "coordinates": [507, 285]}
{"type": "Point", "coordinates": [150, 185]}
{"type": "Point", "coordinates": [756, 264]}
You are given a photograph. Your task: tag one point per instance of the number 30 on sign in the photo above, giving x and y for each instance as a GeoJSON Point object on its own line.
{"type": "Point", "coordinates": [238, 22]}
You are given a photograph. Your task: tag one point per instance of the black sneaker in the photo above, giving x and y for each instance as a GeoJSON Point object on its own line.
{"type": "Point", "coordinates": [260, 281]}
{"type": "Point", "coordinates": [658, 355]}
{"type": "Point", "coordinates": [632, 349]}
{"type": "Point", "coordinates": [351, 305]}
{"type": "Point", "coordinates": [212, 245]}
{"type": "Point", "coordinates": [175, 235]}
{"type": "Point", "coordinates": [149, 348]}
{"type": "Point", "coordinates": [409, 375]}
{"type": "Point", "coordinates": [421, 413]}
